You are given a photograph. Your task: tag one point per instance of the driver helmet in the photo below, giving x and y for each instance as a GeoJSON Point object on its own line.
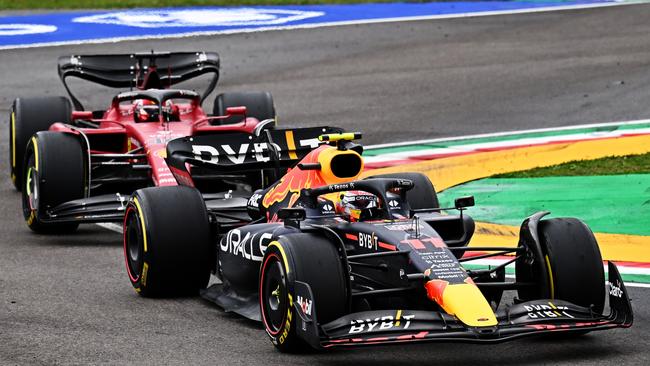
{"type": "Point", "coordinates": [146, 111]}
{"type": "Point", "coordinates": [358, 205]}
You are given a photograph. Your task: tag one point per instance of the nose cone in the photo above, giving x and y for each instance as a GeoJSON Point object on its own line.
{"type": "Point", "coordinates": [463, 300]}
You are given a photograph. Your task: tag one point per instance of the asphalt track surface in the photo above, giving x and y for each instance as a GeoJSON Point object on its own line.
{"type": "Point", "coordinates": [67, 299]}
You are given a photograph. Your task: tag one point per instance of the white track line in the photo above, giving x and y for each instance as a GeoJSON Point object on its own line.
{"type": "Point", "coordinates": [508, 133]}
{"type": "Point", "coordinates": [325, 24]}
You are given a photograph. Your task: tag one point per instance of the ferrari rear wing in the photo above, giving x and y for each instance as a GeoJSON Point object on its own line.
{"type": "Point", "coordinates": [139, 70]}
{"type": "Point", "coordinates": [399, 326]}
{"type": "Point", "coordinates": [239, 152]}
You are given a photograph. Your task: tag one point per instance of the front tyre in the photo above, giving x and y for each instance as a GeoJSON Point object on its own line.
{"type": "Point", "coordinates": [572, 262]}
{"type": "Point", "coordinates": [55, 172]}
{"type": "Point", "coordinates": [306, 258]}
{"type": "Point", "coordinates": [167, 241]}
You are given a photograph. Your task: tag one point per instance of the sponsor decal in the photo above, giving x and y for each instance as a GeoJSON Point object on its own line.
{"type": "Point", "coordinates": [401, 227]}
{"type": "Point", "coordinates": [287, 324]}
{"type": "Point", "coordinates": [543, 311]}
{"type": "Point", "coordinates": [615, 289]}
{"type": "Point", "coordinates": [394, 205]}
{"type": "Point", "coordinates": [145, 271]}
{"type": "Point", "coordinates": [161, 153]}
{"type": "Point", "coordinates": [258, 152]}
{"type": "Point", "coordinates": [288, 189]}
{"type": "Point", "coordinates": [174, 18]}
{"type": "Point", "coordinates": [254, 201]}
{"type": "Point", "coordinates": [383, 323]}
{"type": "Point", "coordinates": [327, 209]}
{"type": "Point", "coordinates": [163, 137]}
{"type": "Point", "coordinates": [442, 265]}
{"type": "Point", "coordinates": [248, 246]}
{"type": "Point", "coordinates": [368, 241]}
{"type": "Point", "coordinates": [342, 187]}
{"type": "Point", "coordinates": [305, 305]}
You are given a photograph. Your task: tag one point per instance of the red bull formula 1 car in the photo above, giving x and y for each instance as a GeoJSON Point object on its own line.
{"type": "Point", "coordinates": [325, 259]}
{"type": "Point", "coordinates": [76, 166]}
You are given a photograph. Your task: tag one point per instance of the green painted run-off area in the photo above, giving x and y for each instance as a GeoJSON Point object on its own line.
{"type": "Point", "coordinates": [617, 204]}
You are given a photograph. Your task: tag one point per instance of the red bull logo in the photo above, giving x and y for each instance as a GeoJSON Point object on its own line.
{"type": "Point", "coordinates": [295, 180]}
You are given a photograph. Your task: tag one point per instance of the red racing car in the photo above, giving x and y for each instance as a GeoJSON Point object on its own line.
{"type": "Point", "coordinates": [75, 166]}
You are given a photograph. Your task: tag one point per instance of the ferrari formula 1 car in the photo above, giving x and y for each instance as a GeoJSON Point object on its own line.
{"type": "Point", "coordinates": [325, 259]}
{"type": "Point", "coordinates": [75, 166]}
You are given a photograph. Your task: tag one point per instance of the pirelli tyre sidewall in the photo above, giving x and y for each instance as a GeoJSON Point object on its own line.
{"type": "Point", "coordinates": [276, 282]}
{"type": "Point", "coordinates": [54, 171]}
{"type": "Point", "coordinates": [167, 243]}
{"type": "Point", "coordinates": [299, 257]}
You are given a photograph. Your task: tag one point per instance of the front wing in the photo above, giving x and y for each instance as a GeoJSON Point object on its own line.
{"type": "Point", "coordinates": [400, 326]}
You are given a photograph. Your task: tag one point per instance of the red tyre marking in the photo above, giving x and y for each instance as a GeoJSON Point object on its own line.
{"type": "Point", "coordinates": [261, 292]}
{"type": "Point", "coordinates": [126, 259]}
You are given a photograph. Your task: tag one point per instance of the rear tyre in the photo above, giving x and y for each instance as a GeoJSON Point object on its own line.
{"type": "Point", "coordinates": [306, 258]}
{"type": "Point", "coordinates": [55, 172]}
{"type": "Point", "coordinates": [422, 195]}
{"type": "Point", "coordinates": [167, 241]}
{"type": "Point", "coordinates": [28, 116]}
{"type": "Point", "coordinates": [258, 105]}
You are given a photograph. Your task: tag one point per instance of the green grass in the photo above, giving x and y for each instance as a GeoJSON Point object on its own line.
{"type": "Point", "coordinates": [97, 4]}
{"type": "Point", "coordinates": [632, 164]}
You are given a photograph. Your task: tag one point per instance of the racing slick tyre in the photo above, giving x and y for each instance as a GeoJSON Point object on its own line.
{"type": "Point", "coordinates": [422, 195]}
{"type": "Point", "coordinates": [28, 116]}
{"type": "Point", "coordinates": [167, 241]}
{"type": "Point", "coordinates": [573, 262]}
{"type": "Point", "coordinates": [55, 172]}
{"type": "Point", "coordinates": [306, 258]}
{"type": "Point", "coordinates": [258, 105]}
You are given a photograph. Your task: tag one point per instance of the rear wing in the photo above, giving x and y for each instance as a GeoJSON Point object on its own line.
{"type": "Point", "coordinates": [238, 152]}
{"type": "Point", "coordinates": [143, 71]}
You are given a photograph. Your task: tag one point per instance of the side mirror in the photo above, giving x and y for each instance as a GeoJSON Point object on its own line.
{"type": "Point", "coordinates": [236, 111]}
{"type": "Point", "coordinates": [297, 214]}
{"type": "Point", "coordinates": [292, 216]}
{"type": "Point", "coordinates": [82, 115]}
{"type": "Point", "coordinates": [462, 202]}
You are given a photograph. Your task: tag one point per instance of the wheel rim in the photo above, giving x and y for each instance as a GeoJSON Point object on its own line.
{"type": "Point", "coordinates": [274, 294]}
{"type": "Point", "coordinates": [31, 185]}
{"type": "Point", "coordinates": [133, 245]}
{"type": "Point", "coordinates": [31, 192]}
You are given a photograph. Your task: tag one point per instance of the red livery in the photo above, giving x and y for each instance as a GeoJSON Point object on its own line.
{"type": "Point", "coordinates": [77, 166]}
